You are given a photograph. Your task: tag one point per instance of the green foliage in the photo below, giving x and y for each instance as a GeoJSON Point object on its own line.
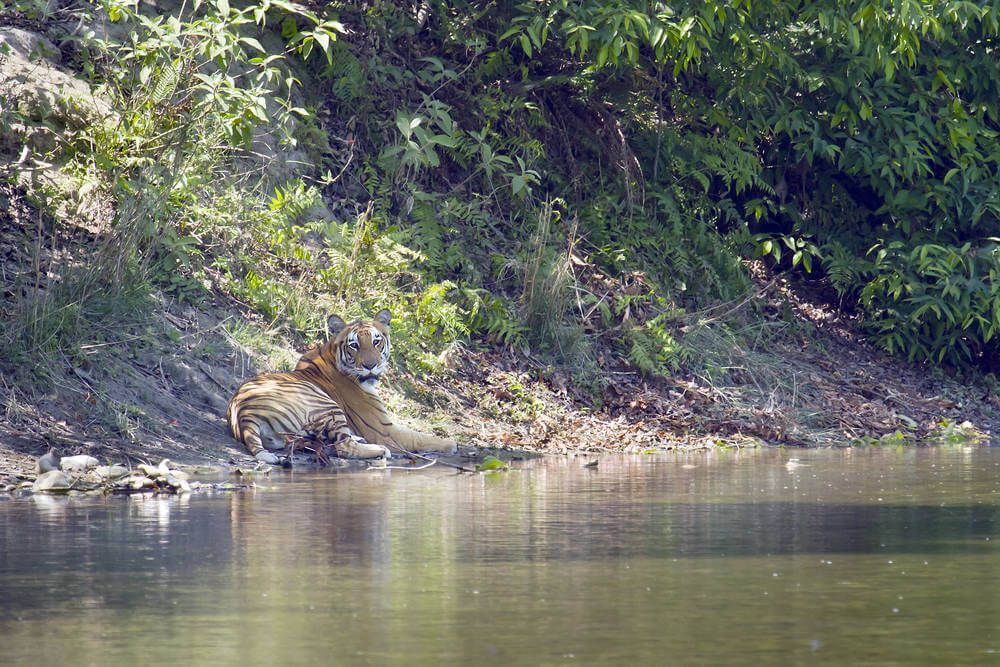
{"type": "Point", "coordinates": [851, 142]}
{"type": "Point", "coordinates": [652, 349]}
{"type": "Point", "coordinates": [491, 463]}
{"type": "Point", "coordinates": [934, 301]}
{"type": "Point", "coordinates": [495, 318]}
{"type": "Point", "coordinates": [278, 301]}
{"type": "Point", "coordinates": [800, 250]}
{"type": "Point", "coordinates": [48, 329]}
{"type": "Point", "coordinates": [202, 65]}
{"type": "Point", "coordinates": [36, 10]}
{"type": "Point", "coordinates": [948, 432]}
{"type": "Point", "coordinates": [353, 268]}
{"type": "Point", "coordinates": [811, 125]}
{"type": "Point", "coordinates": [895, 439]}
{"type": "Point", "coordinates": [943, 432]}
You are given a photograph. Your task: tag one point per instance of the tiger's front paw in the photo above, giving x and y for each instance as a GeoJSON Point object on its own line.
{"type": "Point", "coordinates": [265, 456]}
{"type": "Point", "coordinates": [386, 452]}
{"type": "Point", "coordinates": [447, 447]}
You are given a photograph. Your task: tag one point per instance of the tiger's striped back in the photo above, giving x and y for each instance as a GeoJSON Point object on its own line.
{"type": "Point", "coordinates": [268, 407]}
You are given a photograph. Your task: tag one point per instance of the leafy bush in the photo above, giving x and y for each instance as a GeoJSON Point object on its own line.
{"type": "Point", "coordinates": [935, 301]}
{"type": "Point", "coordinates": [855, 142]}
{"type": "Point", "coordinates": [828, 129]}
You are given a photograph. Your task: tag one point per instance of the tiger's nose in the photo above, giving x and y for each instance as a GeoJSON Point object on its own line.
{"type": "Point", "coordinates": [369, 365]}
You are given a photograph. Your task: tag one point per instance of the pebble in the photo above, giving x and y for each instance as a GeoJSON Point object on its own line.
{"type": "Point", "coordinates": [138, 483]}
{"type": "Point", "coordinates": [53, 481]}
{"type": "Point", "coordinates": [110, 472]}
{"type": "Point", "coordinates": [83, 475]}
{"type": "Point", "coordinates": [79, 463]}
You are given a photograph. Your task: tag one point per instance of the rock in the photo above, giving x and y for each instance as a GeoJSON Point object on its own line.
{"type": "Point", "coordinates": [80, 463]}
{"type": "Point", "coordinates": [48, 462]}
{"type": "Point", "coordinates": [150, 470]}
{"type": "Point", "coordinates": [43, 91]}
{"type": "Point", "coordinates": [139, 483]}
{"type": "Point", "coordinates": [54, 481]}
{"type": "Point", "coordinates": [109, 473]}
{"type": "Point", "coordinates": [43, 99]}
{"type": "Point", "coordinates": [178, 485]}
{"type": "Point", "coordinates": [87, 481]}
{"type": "Point", "coordinates": [28, 45]}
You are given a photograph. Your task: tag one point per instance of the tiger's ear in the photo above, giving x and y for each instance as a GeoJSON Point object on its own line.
{"type": "Point", "coordinates": [335, 324]}
{"type": "Point", "coordinates": [383, 316]}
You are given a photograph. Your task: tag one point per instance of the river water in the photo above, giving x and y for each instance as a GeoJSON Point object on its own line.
{"type": "Point", "coordinates": [754, 557]}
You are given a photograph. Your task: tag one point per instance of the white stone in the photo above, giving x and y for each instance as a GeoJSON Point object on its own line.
{"type": "Point", "coordinates": [111, 472]}
{"type": "Point", "coordinates": [80, 463]}
{"type": "Point", "coordinates": [54, 481]}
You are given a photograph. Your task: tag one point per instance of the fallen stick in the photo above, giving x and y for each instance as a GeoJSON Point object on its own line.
{"type": "Point", "coordinates": [427, 458]}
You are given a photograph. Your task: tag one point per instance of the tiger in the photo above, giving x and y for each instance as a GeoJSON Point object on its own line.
{"type": "Point", "coordinates": [333, 393]}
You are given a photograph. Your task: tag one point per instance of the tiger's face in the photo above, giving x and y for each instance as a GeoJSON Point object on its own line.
{"type": "Point", "coordinates": [362, 347]}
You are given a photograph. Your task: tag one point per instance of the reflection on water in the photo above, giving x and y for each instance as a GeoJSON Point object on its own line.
{"type": "Point", "coordinates": [846, 556]}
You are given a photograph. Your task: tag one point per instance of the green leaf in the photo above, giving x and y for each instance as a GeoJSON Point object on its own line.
{"type": "Point", "coordinates": [445, 140]}
{"type": "Point", "coordinates": [334, 26]}
{"type": "Point", "coordinates": [323, 39]}
{"type": "Point", "coordinates": [525, 45]}
{"type": "Point", "coordinates": [510, 32]}
{"type": "Point", "coordinates": [403, 124]}
{"type": "Point", "coordinates": [702, 179]}
{"type": "Point", "coordinates": [516, 184]}
{"type": "Point", "coordinates": [490, 462]}
{"type": "Point", "coordinates": [250, 41]}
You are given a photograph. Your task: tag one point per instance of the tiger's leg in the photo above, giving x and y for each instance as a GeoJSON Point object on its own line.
{"type": "Point", "coordinates": [415, 441]}
{"type": "Point", "coordinates": [356, 447]}
{"type": "Point", "coordinates": [254, 445]}
{"type": "Point", "coordinates": [330, 428]}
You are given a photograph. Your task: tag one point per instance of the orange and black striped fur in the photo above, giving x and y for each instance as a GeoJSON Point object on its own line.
{"type": "Point", "coordinates": [332, 394]}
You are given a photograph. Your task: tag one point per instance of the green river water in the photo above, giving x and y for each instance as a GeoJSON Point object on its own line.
{"type": "Point", "coordinates": [757, 557]}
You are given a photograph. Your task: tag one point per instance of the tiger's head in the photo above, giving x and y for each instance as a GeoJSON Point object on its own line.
{"type": "Point", "coordinates": [362, 347]}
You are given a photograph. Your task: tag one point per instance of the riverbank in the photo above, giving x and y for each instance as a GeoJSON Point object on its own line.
{"type": "Point", "coordinates": [161, 392]}
{"type": "Point", "coordinates": [542, 303]}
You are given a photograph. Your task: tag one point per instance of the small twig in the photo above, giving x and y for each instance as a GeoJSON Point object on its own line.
{"type": "Point", "coordinates": [298, 443]}
{"type": "Point", "coordinates": [446, 82]}
{"type": "Point", "coordinates": [427, 458]}
{"type": "Point", "coordinates": [91, 346]}
{"type": "Point", "coordinates": [426, 465]}
{"type": "Point", "coordinates": [753, 295]}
